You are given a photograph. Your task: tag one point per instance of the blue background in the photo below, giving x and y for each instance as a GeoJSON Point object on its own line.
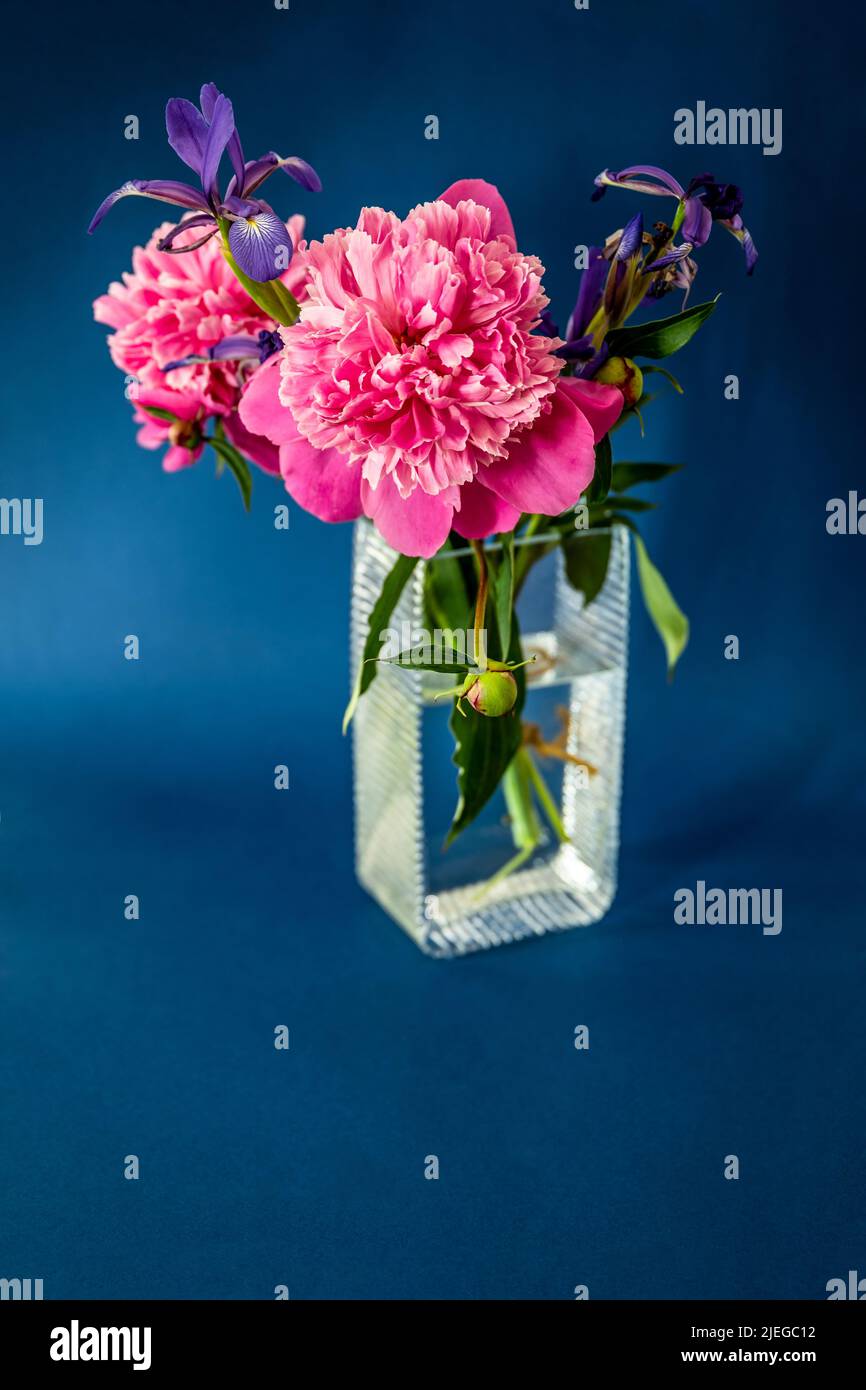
{"type": "Point", "coordinates": [155, 1038]}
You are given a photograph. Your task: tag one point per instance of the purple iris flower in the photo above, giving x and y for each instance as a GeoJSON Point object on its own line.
{"type": "Point", "coordinates": [592, 283]}
{"type": "Point", "coordinates": [257, 237]}
{"type": "Point", "coordinates": [704, 202]}
{"type": "Point", "coordinates": [239, 348]}
{"type": "Point", "coordinates": [604, 283]}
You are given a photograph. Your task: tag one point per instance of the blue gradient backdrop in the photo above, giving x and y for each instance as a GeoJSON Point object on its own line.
{"type": "Point", "coordinates": [557, 1167]}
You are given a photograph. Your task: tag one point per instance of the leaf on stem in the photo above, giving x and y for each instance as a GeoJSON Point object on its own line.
{"type": "Point", "coordinates": [669, 620]}
{"type": "Point", "coordinates": [395, 583]}
{"type": "Point", "coordinates": [600, 485]}
{"type": "Point", "coordinates": [228, 456]}
{"type": "Point", "coordinates": [586, 555]}
{"type": "Point", "coordinates": [669, 376]}
{"type": "Point", "coordinates": [661, 337]}
{"type": "Point", "coordinates": [446, 600]}
{"type": "Point", "coordinates": [626, 475]}
{"type": "Point", "coordinates": [454, 662]}
{"type": "Point", "coordinates": [601, 512]}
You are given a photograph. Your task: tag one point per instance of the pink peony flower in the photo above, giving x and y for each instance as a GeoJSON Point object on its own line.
{"type": "Point", "coordinates": [414, 387]}
{"type": "Point", "coordinates": [171, 307]}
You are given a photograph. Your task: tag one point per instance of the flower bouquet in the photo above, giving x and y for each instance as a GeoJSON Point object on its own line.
{"type": "Point", "coordinates": [406, 374]}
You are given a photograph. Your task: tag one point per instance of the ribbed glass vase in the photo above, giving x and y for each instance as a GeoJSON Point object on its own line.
{"type": "Point", "coordinates": [406, 783]}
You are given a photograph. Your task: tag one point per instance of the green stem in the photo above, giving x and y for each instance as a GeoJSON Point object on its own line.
{"type": "Point", "coordinates": [519, 780]}
{"type": "Point", "coordinates": [481, 601]}
{"type": "Point", "coordinates": [270, 295]}
{"type": "Point", "coordinates": [543, 793]}
{"type": "Point", "coordinates": [524, 558]}
{"type": "Point", "coordinates": [525, 830]}
{"type": "Point", "coordinates": [514, 862]}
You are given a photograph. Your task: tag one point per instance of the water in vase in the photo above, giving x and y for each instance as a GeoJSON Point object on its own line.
{"type": "Point", "coordinates": [405, 781]}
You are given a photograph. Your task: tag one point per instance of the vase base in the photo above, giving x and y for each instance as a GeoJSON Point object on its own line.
{"type": "Point", "coordinates": [552, 896]}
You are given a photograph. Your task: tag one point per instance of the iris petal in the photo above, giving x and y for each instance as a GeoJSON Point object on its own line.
{"type": "Point", "coordinates": [735, 226]}
{"type": "Point", "coordinates": [207, 101]}
{"type": "Point", "coordinates": [261, 245]}
{"type": "Point", "coordinates": [260, 169]}
{"type": "Point", "coordinates": [697, 222]}
{"type": "Point", "coordinates": [219, 133]}
{"type": "Point", "coordinates": [625, 179]}
{"type": "Point", "coordinates": [631, 239]}
{"type": "Point", "coordinates": [187, 131]}
{"type": "Point", "coordinates": [671, 257]}
{"type": "Point", "coordinates": [202, 219]}
{"type": "Point", "coordinates": [589, 294]}
{"type": "Point", "coordinates": [182, 195]}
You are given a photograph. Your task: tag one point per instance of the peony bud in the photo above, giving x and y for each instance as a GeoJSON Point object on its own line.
{"type": "Point", "coordinates": [184, 433]}
{"type": "Point", "coordinates": [493, 693]}
{"type": "Point", "coordinates": [625, 374]}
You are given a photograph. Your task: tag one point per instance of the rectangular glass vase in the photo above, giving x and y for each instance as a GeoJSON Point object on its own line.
{"type": "Point", "coordinates": [406, 783]}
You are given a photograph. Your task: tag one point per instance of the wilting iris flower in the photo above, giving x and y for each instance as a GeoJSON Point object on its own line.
{"type": "Point", "coordinates": [704, 202]}
{"type": "Point", "coordinates": [200, 137]}
{"type": "Point", "coordinates": [610, 287]}
{"type": "Point", "coordinates": [237, 348]}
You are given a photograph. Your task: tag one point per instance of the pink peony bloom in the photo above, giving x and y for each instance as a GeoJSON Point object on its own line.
{"type": "Point", "coordinates": [171, 307]}
{"type": "Point", "coordinates": [415, 389]}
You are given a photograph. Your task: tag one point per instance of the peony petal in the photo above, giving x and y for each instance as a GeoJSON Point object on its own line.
{"type": "Point", "coordinates": [488, 196]}
{"type": "Point", "coordinates": [415, 525]}
{"type": "Point", "coordinates": [602, 405]}
{"type": "Point", "coordinates": [262, 411]}
{"type": "Point", "coordinates": [322, 481]}
{"type": "Point", "coordinates": [550, 463]}
{"type": "Point", "coordinates": [482, 513]}
{"type": "Point", "coordinates": [163, 398]}
{"type": "Point", "coordinates": [178, 457]}
{"type": "Point", "coordinates": [253, 446]}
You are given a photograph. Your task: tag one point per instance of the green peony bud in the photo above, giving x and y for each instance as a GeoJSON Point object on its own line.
{"type": "Point", "coordinates": [625, 374]}
{"type": "Point", "coordinates": [492, 693]}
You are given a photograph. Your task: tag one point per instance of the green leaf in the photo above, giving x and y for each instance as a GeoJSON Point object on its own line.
{"type": "Point", "coordinates": [228, 455]}
{"type": "Point", "coordinates": [669, 376]}
{"type": "Point", "coordinates": [502, 585]}
{"type": "Point", "coordinates": [586, 557]}
{"type": "Point", "coordinates": [484, 747]}
{"type": "Point", "coordinates": [600, 510]}
{"type": "Point", "coordinates": [158, 413]}
{"type": "Point", "coordinates": [413, 659]}
{"type": "Point", "coordinates": [446, 600]}
{"type": "Point", "coordinates": [626, 475]}
{"type": "Point", "coordinates": [395, 583]}
{"type": "Point", "coordinates": [600, 485]}
{"type": "Point", "coordinates": [668, 618]}
{"type": "Point", "coordinates": [661, 337]}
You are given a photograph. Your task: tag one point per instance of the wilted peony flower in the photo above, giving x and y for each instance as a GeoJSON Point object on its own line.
{"type": "Point", "coordinates": [414, 387]}
{"type": "Point", "coordinates": [170, 308]}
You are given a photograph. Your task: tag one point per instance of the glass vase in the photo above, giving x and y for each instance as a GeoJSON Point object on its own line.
{"type": "Point", "coordinates": [406, 783]}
